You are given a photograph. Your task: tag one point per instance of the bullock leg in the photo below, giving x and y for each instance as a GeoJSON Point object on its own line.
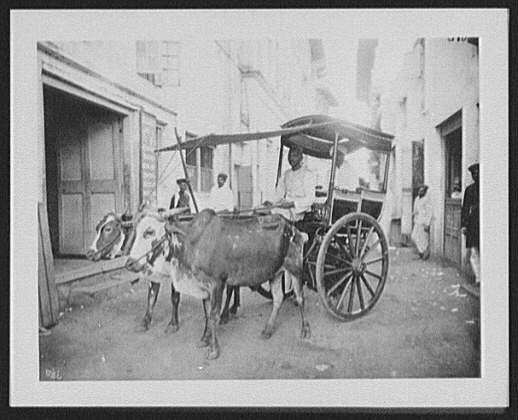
{"type": "Point", "coordinates": [225, 314]}
{"type": "Point", "coordinates": [216, 296]}
{"type": "Point", "coordinates": [152, 295]}
{"type": "Point", "coordinates": [205, 338]}
{"type": "Point", "coordinates": [173, 325]}
{"type": "Point", "coordinates": [278, 297]}
{"type": "Point", "coordinates": [233, 309]}
{"type": "Point", "coordinates": [305, 331]}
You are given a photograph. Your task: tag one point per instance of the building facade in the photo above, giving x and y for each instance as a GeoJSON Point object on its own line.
{"type": "Point", "coordinates": [432, 107]}
{"type": "Point", "coordinates": [99, 126]}
{"type": "Point", "coordinates": [233, 86]}
{"type": "Point", "coordinates": [105, 107]}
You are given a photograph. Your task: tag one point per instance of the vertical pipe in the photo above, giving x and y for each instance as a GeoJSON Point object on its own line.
{"type": "Point", "coordinates": [141, 178]}
{"type": "Point", "coordinates": [330, 189]}
{"type": "Point", "coordinates": [179, 141]}
{"type": "Point", "coordinates": [230, 166]}
{"type": "Point", "coordinates": [279, 165]}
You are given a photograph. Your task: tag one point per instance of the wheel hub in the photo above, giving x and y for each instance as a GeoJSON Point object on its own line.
{"type": "Point", "coordinates": [358, 266]}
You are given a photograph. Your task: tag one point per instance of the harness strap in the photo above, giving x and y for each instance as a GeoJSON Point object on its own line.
{"type": "Point", "coordinates": [109, 244]}
{"type": "Point", "coordinates": [154, 247]}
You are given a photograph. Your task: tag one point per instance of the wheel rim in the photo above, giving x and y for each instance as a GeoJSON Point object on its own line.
{"type": "Point", "coordinates": [352, 266]}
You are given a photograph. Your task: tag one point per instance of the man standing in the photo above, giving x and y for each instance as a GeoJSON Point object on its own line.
{"type": "Point", "coordinates": [422, 219]}
{"type": "Point", "coordinates": [297, 186]}
{"type": "Point", "coordinates": [469, 221]}
{"type": "Point", "coordinates": [456, 191]}
{"type": "Point", "coordinates": [181, 199]}
{"type": "Point", "coordinates": [221, 197]}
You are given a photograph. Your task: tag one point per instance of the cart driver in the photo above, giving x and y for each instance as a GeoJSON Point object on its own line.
{"type": "Point", "coordinates": [297, 186]}
{"type": "Point", "coordinates": [294, 196]}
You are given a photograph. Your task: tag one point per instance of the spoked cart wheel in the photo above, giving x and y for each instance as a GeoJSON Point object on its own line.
{"type": "Point", "coordinates": [352, 266]}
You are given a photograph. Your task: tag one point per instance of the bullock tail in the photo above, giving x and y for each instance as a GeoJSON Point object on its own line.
{"type": "Point", "coordinates": [294, 256]}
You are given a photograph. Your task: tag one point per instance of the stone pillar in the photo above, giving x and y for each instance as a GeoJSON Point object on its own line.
{"type": "Point", "coordinates": [434, 169]}
{"type": "Point", "coordinates": [42, 189]}
{"type": "Point", "coordinates": [406, 191]}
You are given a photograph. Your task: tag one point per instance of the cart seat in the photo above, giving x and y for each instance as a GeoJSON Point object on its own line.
{"type": "Point", "coordinates": [365, 201]}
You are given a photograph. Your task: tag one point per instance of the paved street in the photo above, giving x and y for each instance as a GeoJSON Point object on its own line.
{"type": "Point", "coordinates": [424, 325]}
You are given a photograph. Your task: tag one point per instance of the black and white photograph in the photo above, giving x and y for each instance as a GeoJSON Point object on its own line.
{"type": "Point", "coordinates": [269, 207]}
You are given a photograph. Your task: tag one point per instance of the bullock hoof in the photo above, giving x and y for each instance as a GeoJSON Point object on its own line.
{"type": "Point", "coordinates": [144, 325]}
{"type": "Point", "coordinates": [171, 328]}
{"type": "Point", "coordinates": [204, 342]}
{"type": "Point", "coordinates": [213, 354]}
{"type": "Point", "coordinates": [224, 318]}
{"type": "Point", "coordinates": [267, 333]}
{"type": "Point", "coordinates": [305, 332]}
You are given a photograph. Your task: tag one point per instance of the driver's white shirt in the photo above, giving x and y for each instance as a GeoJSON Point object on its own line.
{"type": "Point", "coordinates": [297, 186]}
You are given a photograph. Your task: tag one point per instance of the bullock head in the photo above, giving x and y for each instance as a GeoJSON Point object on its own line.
{"type": "Point", "coordinates": [150, 240]}
{"type": "Point", "coordinates": [111, 233]}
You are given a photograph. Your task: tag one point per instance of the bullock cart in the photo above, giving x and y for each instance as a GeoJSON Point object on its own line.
{"type": "Point", "coordinates": [346, 259]}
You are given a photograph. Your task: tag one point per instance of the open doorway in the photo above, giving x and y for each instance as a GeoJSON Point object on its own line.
{"type": "Point", "coordinates": [243, 177]}
{"type": "Point", "coordinates": [452, 199]}
{"type": "Point", "coordinates": [83, 144]}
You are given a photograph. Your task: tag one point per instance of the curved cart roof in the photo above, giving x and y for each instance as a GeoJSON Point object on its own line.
{"type": "Point", "coordinates": [314, 133]}
{"type": "Point", "coordinates": [318, 138]}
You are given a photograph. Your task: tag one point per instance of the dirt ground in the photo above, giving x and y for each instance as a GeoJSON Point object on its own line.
{"type": "Point", "coordinates": [422, 327]}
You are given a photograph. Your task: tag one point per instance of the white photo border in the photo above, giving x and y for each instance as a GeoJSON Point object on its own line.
{"type": "Point", "coordinates": [489, 25]}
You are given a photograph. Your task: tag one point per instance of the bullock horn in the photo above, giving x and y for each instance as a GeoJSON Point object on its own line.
{"type": "Point", "coordinates": [143, 205]}
{"type": "Point", "coordinates": [174, 212]}
{"type": "Point", "coordinates": [156, 215]}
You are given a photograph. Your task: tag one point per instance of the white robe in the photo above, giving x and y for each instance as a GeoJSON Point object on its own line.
{"type": "Point", "coordinates": [221, 198]}
{"type": "Point", "coordinates": [422, 219]}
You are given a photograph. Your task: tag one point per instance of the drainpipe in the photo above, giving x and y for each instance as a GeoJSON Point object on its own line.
{"type": "Point", "coordinates": [141, 189]}
{"type": "Point", "coordinates": [230, 166]}
{"type": "Point", "coordinates": [330, 189]}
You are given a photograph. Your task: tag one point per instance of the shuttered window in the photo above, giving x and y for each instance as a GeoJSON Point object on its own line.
{"type": "Point", "coordinates": [191, 162]}
{"type": "Point", "coordinates": [206, 154]}
{"type": "Point", "coordinates": [159, 62]}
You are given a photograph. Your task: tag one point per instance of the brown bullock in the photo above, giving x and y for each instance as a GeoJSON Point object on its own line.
{"type": "Point", "coordinates": [212, 252]}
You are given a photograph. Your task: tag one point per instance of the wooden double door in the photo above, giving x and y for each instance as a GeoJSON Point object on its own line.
{"type": "Point", "coordinates": [245, 189]}
{"type": "Point", "coordinates": [88, 159]}
{"type": "Point", "coordinates": [452, 234]}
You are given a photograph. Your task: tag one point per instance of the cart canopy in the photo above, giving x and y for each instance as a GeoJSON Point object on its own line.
{"type": "Point", "coordinates": [318, 139]}
{"type": "Point", "coordinates": [315, 134]}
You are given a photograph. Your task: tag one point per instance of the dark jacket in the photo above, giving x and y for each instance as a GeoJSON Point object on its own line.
{"type": "Point", "coordinates": [470, 215]}
{"type": "Point", "coordinates": [180, 200]}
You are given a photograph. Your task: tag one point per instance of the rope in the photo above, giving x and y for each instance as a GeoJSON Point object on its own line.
{"type": "Point", "coordinates": [153, 248]}
{"type": "Point", "coordinates": [109, 244]}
